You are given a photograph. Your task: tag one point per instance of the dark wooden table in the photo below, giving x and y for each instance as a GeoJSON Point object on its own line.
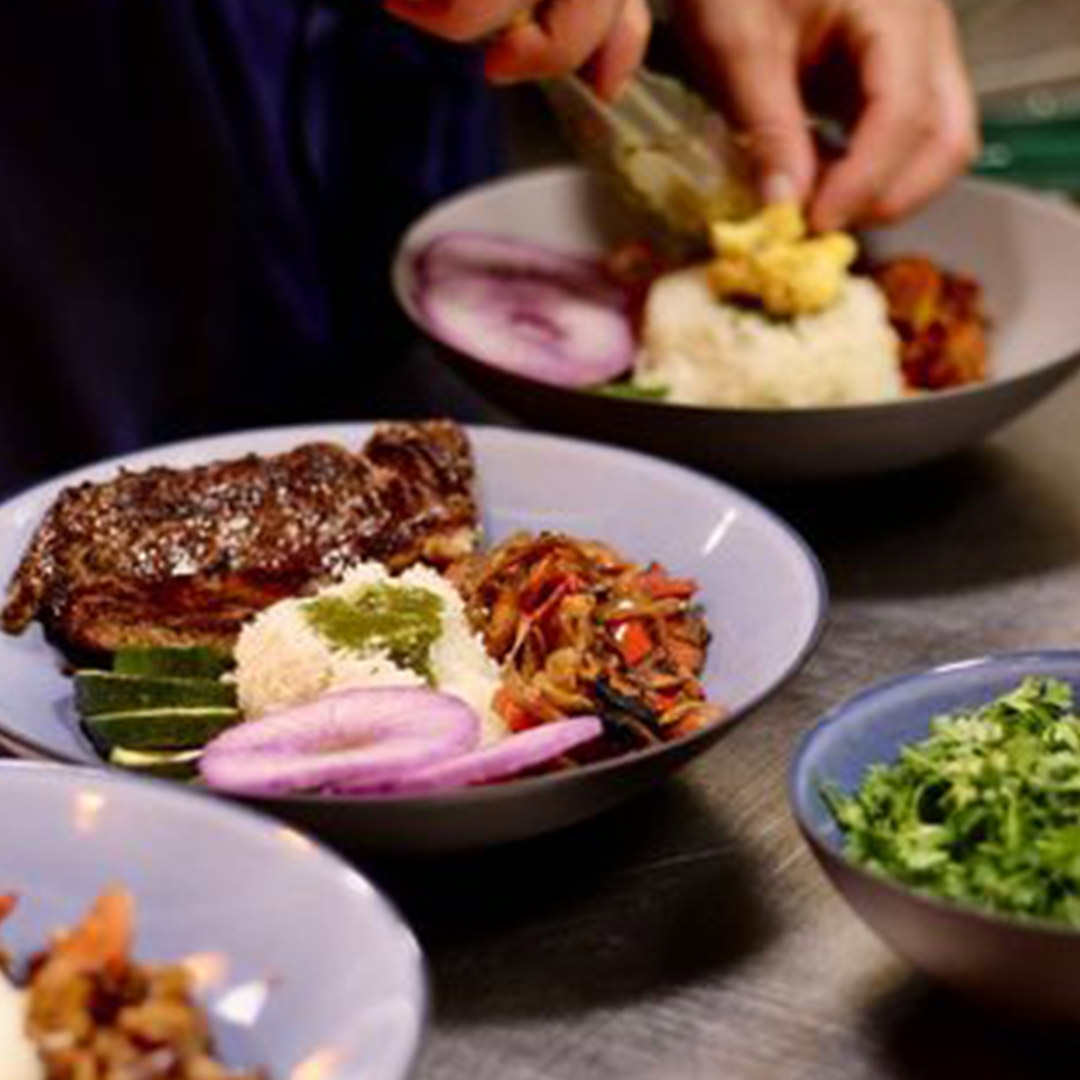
{"type": "Point", "coordinates": [689, 934]}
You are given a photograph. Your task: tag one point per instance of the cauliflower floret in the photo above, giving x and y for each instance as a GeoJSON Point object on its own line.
{"type": "Point", "coordinates": [769, 259]}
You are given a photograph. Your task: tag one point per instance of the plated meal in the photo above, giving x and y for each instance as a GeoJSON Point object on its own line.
{"type": "Point", "coordinates": [758, 589]}
{"type": "Point", "coordinates": [980, 280]}
{"type": "Point", "coordinates": [82, 1008]}
{"type": "Point", "coordinates": [327, 620]}
{"type": "Point", "coordinates": [772, 318]}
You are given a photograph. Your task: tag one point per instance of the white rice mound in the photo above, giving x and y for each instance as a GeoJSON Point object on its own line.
{"type": "Point", "coordinates": [706, 352]}
{"type": "Point", "coordinates": [281, 660]}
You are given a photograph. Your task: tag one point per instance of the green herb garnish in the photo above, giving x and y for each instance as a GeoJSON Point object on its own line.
{"type": "Point", "coordinates": [985, 811]}
{"type": "Point", "coordinates": [632, 391]}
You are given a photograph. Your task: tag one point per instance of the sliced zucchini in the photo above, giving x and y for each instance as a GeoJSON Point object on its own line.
{"type": "Point", "coordinates": [196, 662]}
{"type": "Point", "coordinates": [171, 764]}
{"type": "Point", "coordinates": [159, 729]}
{"type": "Point", "coordinates": [99, 692]}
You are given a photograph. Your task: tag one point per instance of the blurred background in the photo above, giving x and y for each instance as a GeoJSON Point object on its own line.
{"type": "Point", "coordinates": [1025, 61]}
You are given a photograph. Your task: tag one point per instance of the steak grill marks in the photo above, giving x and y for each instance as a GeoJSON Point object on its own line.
{"type": "Point", "coordinates": [186, 556]}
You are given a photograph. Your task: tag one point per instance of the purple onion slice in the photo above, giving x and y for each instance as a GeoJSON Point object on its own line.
{"type": "Point", "coordinates": [500, 761]}
{"type": "Point", "coordinates": [362, 737]}
{"type": "Point", "coordinates": [524, 308]}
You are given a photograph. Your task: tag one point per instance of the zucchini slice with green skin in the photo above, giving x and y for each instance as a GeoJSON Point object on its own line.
{"type": "Point", "coordinates": [169, 764]}
{"type": "Point", "coordinates": [98, 692]}
{"type": "Point", "coordinates": [159, 729]}
{"type": "Point", "coordinates": [196, 662]}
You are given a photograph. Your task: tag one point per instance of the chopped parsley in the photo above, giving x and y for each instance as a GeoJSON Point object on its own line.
{"type": "Point", "coordinates": [983, 812]}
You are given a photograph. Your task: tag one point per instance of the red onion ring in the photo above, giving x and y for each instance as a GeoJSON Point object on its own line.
{"type": "Point", "coordinates": [364, 737]}
{"type": "Point", "coordinates": [501, 760]}
{"type": "Point", "coordinates": [525, 308]}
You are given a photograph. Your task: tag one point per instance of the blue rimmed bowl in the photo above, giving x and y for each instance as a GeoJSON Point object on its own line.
{"type": "Point", "coordinates": [1030, 970]}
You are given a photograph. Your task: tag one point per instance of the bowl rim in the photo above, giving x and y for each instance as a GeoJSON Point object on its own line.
{"type": "Point", "coordinates": [61, 775]}
{"type": "Point", "coordinates": [28, 748]}
{"type": "Point", "coordinates": [401, 272]}
{"type": "Point", "coordinates": [826, 851]}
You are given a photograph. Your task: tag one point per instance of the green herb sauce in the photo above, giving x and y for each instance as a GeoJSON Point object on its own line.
{"type": "Point", "coordinates": [401, 620]}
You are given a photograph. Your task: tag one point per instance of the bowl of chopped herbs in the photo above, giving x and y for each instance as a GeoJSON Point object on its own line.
{"type": "Point", "coordinates": [945, 807]}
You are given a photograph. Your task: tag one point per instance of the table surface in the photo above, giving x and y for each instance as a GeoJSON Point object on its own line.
{"type": "Point", "coordinates": [689, 934]}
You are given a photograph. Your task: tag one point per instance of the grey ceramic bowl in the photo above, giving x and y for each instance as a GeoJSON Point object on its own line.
{"type": "Point", "coordinates": [1023, 248]}
{"type": "Point", "coordinates": [306, 969]}
{"type": "Point", "coordinates": [1028, 970]}
{"type": "Point", "coordinates": [760, 584]}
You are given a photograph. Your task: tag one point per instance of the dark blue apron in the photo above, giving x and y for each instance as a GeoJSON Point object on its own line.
{"type": "Point", "coordinates": [198, 201]}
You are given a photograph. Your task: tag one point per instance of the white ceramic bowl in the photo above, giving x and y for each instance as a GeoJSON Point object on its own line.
{"type": "Point", "coordinates": [1024, 249]}
{"type": "Point", "coordinates": [305, 970]}
{"type": "Point", "coordinates": [761, 587]}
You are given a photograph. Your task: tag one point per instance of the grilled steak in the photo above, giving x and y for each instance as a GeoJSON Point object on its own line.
{"type": "Point", "coordinates": [185, 556]}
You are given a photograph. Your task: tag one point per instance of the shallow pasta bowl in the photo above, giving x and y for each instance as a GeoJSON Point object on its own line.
{"type": "Point", "coordinates": [1028, 969]}
{"type": "Point", "coordinates": [1022, 248]}
{"type": "Point", "coordinates": [302, 966]}
{"type": "Point", "coordinates": [761, 586]}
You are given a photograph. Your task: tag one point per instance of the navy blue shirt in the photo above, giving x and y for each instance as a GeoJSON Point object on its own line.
{"type": "Point", "coordinates": [198, 202]}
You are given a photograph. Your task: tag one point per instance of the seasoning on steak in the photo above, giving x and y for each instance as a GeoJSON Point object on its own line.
{"type": "Point", "coordinates": [186, 556]}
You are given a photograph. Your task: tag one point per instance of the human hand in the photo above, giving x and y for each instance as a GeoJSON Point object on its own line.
{"type": "Point", "coordinates": [530, 39]}
{"type": "Point", "coordinates": [895, 66]}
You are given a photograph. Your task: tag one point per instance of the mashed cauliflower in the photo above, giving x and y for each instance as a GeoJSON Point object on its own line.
{"type": "Point", "coordinates": [282, 657]}
{"type": "Point", "coordinates": [703, 351]}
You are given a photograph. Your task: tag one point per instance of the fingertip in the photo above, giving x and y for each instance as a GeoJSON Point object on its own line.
{"type": "Point", "coordinates": [514, 56]}
{"type": "Point", "coordinates": [786, 183]}
{"type": "Point", "coordinates": [609, 81]}
{"type": "Point", "coordinates": [778, 143]}
{"type": "Point", "coordinates": [778, 187]}
{"type": "Point", "coordinates": [880, 148]}
{"type": "Point", "coordinates": [836, 206]}
{"type": "Point", "coordinates": [907, 196]}
{"type": "Point", "coordinates": [785, 166]}
{"type": "Point", "coordinates": [883, 212]}
{"type": "Point", "coordinates": [437, 17]}
{"type": "Point", "coordinates": [613, 66]}
{"type": "Point", "coordinates": [499, 75]}
{"type": "Point", "coordinates": [406, 10]}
